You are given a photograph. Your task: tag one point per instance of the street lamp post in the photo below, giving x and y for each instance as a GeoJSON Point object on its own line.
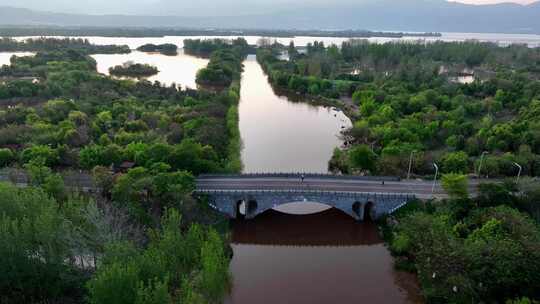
{"type": "Point", "coordinates": [481, 162]}
{"type": "Point", "coordinates": [410, 165]}
{"type": "Point", "coordinates": [435, 179]}
{"type": "Point", "coordinates": [519, 173]}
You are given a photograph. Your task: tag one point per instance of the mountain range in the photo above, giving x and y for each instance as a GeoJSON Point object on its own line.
{"type": "Point", "coordinates": [388, 15]}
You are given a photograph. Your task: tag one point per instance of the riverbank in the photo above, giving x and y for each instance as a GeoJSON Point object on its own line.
{"type": "Point", "coordinates": [234, 148]}
{"type": "Point", "coordinates": [344, 104]}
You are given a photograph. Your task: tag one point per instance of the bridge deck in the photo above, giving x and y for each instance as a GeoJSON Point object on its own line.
{"type": "Point", "coordinates": [421, 189]}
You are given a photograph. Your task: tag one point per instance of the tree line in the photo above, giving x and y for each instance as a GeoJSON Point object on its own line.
{"type": "Point", "coordinates": [226, 56]}
{"type": "Point", "coordinates": [42, 44]}
{"type": "Point", "coordinates": [136, 70]}
{"type": "Point", "coordinates": [42, 30]}
{"type": "Point", "coordinates": [165, 49]}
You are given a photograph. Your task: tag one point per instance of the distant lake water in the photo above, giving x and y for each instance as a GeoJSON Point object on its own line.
{"type": "Point", "coordinates": [180, 69]}
{"type": "Point", "coordinates": [502, 39]}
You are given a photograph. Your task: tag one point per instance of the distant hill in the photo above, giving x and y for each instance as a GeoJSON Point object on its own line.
{"type": "Point", "coordinates": [402, 15]}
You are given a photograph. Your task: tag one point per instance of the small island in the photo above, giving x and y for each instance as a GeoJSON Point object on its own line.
{"type": "Point", "coordinates": [165, 49]}
{"type": "Point", "coordinates": [131, 69]}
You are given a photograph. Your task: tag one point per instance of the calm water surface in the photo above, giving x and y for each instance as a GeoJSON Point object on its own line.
{"type": "Point", "coordinates": [503, 39]}
{"type": "Point", "coordinates": [180, 69]}
{"type": "Point", "coordinates": [279, 135]}
{"type": "Point", "coordinates": [325, 257]}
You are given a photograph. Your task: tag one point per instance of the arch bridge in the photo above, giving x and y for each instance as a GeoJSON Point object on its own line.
{"type": "Point", "coordinates": [360, 197]}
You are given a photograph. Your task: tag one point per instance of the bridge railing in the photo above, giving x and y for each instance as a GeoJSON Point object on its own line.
{"type": "Point", "coordinates": [396, 195]}
{"type": "Point", "coordinates": [397, 207]}
{"type": "Point", "coordinates": [72, 179]}
{"type": "Point", "coordinates": [299, 174]}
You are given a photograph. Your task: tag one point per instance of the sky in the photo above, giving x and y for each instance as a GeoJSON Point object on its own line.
{"type": "Point", "coordinates": [188, 7]}
{"type": "Point", "coordinates": [479, 2]}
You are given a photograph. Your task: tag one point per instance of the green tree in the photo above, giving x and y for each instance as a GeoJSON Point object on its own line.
{"type": "Point", "coordinates": [291, 50]}
{"type": "Point", "coordinates": [6, 157]}
{"type": "Point", "coordinates": [456, 185]}
{"type": "Point", "coordinates": [114, 283]}
{"type": "Point", "coordinates": [51, 183]}
{"type": "Point", "coordinates": [193, 263]}
{"type": "Point", "coordinates": [363, 158]}
{"type": "Point", "coordinates": [48, 155]}
{"type": "Point", "coordinates": [523, 300]}
{"type": "Point", "coordinates": [33, 225]}
{"type": "Point", "coordinates": [214, 273]}
{"type": "Point", "coordinates": [455, 162]}
{"type": "Point", "coordinates": [155, 293]}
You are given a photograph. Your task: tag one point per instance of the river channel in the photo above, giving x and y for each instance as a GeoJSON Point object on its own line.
{"type": "Point", "coordinates": [303, 252]}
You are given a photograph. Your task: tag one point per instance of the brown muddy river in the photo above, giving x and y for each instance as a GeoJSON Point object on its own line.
{"type": "Point", "coordinates": [325, 257]}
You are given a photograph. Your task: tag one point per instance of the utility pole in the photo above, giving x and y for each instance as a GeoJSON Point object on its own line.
{"type": "Point", "coordinates": [435, 179]}
{"type": "Point", "coordinates": [410, 165]}
{"type": "Point", "coordinates": [481, 162]}
{"type": "Point", "coordinates": [519, 173]}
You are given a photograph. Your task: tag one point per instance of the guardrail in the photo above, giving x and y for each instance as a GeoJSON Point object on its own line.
{"type": "Point", "coordinates": [72, 179]}
{"type": "Point", "coordinates": [298, 175]}
{"type": "Point", "coordinates": [397, 207]}
{"type": "Point", "coordinates": [352, 193]}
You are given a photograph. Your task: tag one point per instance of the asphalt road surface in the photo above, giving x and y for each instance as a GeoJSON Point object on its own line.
{"type": "Point", "coordinates": [421, 189]}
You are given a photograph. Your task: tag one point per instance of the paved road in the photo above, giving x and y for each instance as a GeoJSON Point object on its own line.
{"type": "Point", "coordinates": [422, 189]}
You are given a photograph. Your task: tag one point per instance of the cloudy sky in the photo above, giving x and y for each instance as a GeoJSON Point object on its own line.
{"type": "Point", "coordinates": [187, 7]}
{"type": "Point", "coordinates": [495, 1]}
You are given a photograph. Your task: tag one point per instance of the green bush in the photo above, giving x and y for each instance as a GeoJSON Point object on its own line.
{"type": "Point", "coordinates": [6, 157]}
{"type": "Point", "coordinates": [455, 162]}
{"type": "Point", "coordinates": [456, 185]}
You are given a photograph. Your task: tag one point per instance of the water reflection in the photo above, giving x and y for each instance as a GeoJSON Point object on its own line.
{"type": "Point", "coordinates": [326, 257]}
{"type": "Point", "coordinates": [318, 229]}
{"type": "Point", "coordinates": [180, 69]}
{"type": "Point", "coordinates": [283, 136]}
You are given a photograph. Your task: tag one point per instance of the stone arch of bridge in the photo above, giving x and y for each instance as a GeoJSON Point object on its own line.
{"type": "Point", "coordinates": [251, 208]}
{"type": "Point", "coordinates": [354, 208]}
{"type": "Point", "coordinates": [240, 209]}
{"type": "Point", "coordinates": [369, 211]}
{"type": "Point", "coordinates": [245, 208]}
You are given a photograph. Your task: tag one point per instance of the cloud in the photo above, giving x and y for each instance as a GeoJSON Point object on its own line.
{"type": "Point", "coordinates": [83, 7]}
{"type": "Point", "coordinates": [193, 7]}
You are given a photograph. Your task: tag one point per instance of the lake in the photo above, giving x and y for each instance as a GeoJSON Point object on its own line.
{"type": "Point", "coordinates": [502, 39]}
{"type": "Point", "coordinates": [180, 69]}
